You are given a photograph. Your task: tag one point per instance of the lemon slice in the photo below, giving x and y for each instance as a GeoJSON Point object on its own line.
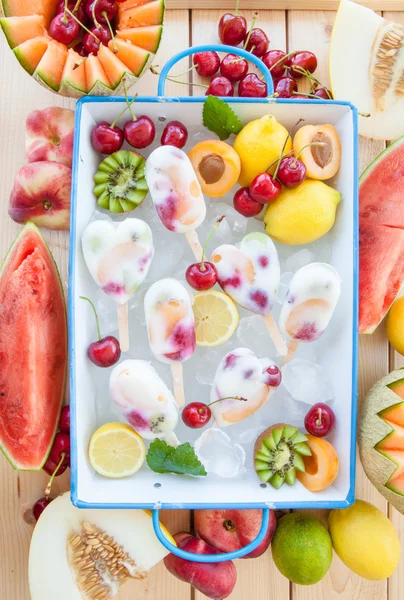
{"type": "Point", "coordinates": [216, 318]}
{"type": "Point", "coordinates": [116, 450]}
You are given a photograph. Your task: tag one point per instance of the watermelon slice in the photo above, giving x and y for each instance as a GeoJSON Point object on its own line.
{"type": "Point", "coordinates": [33, 351]}
{"type": "Point", "coordinates": [20, 29]}
{"type": "Point", "coordinates": [144, 37]}
{"type": "Point", "coordinates": [73, 81]}
{"type": "Point", "coordinates": [96, 78]}
{"type": "Point", "coordinates": [151, 13]}
{"type": "Point", "coordinates": [136, 59]}
{"type": "Point", "coordinates": [25, 8]}
{"type": "Point", "coordinates": [29, 53]}
{"type": "Point", "coordinates": [50, 69]}
{"type": "Point", "coordinates": [381, 236]}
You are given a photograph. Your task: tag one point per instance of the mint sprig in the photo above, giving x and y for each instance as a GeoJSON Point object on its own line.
{"type": "Point", "coordinates": [182, 460]}
{"type": "Point", "coordinates": [219, 118]}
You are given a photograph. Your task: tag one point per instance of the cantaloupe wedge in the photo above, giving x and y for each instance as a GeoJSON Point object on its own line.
{"type": "Point", "coordinates": [122, 6]}
{"type": "Point", "coordinates": [73, 83]}
{"type": "Point", "coordinates": [20, 29]}
{"type": "Point", "coordinates": [29, 53]}
{"type": "Point", "coordinates": [136, 59]}
{"type": "Point", "coordinates": [144, 37]}
{"type": "Point", "coordinates": [50, 68]}
{"type": "Point", "coordinates": [98, 83]}
{"type": "Point", "coordinates": [25, 8]}
{"type": "Point", "coordinates": [114, 68]}
{"type": "Point", "coordinates": [151, 13]}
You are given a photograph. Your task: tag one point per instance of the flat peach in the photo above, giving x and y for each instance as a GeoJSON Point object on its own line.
{"type": "Point", "coordinates": [321, 161]}
{"type": "Point", "coordinates": [321, 467]}
{"type": "Point", "coordinates": [217, 167]}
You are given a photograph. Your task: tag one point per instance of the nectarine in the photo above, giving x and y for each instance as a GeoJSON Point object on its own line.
{"type": "Point", "coordinates": [49, 135]}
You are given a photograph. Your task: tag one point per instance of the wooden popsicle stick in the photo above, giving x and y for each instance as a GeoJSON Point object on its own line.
{"type": "Point", "coordinates": [178, 381]}
{"type": "Point", "coordinates": [195, 245]}
{"type": "Point", "coordinates": [292, 347]}
{"type": "Point", "coordinates": [123, 326]}
{"type": "Point", "coordinates": [275, 334]}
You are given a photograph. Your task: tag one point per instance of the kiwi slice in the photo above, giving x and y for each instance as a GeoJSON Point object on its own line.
{"type": "Point", "coordinates": [120, 184]}
{"type": "Point", "coordinates": [278, 454]}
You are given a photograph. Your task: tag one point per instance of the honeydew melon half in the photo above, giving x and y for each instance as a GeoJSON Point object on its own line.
{"type": "Point", "coordinates": [367, 68]}
{"type": "Point", "coordinates": [59, 567]}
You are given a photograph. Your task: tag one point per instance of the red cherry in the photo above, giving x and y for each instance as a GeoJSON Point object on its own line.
{"type": "Point", "coordinates": [80, 13]}
{"type": "Point", "coordinates": [63, 28]}
{"type": "Point", "coordinates": [251, 86]}
{"type": "Point", "coordinates": [79, 48]}
{"type": "Point", "coordinates": [245, 205]}
{"type": "Point", "coordinates": [140, 133]}
{"type": "Point", "coordinates": [324, 93]}
{"type": "Point", "coordinates": [273, 376]}
{"type": "Point", "coordinates": [40, 506]}
{"type": "Point", "coordinates": [220, 86]}
{"type": "Point", "coordinates": [232, 29]}
{"type": "Point", "coordinates": [285, 86]}
{"type": "Point", "coordinates": [61, 445]}
{"type": "Point", "coordinates": [233, 67]}
{"type": "Point", "coordinates": [291, 172]}
{"type": "Point", "coordinates": [206, 63]}
{"type": "Point", "coordinates": [50, 468]}
{"type": "Point", "coordinates": [320, 420]}
{"type": "Point", "coordinates": [264, 188]}
{"type": "Point", "coordinates": [196, 415]}
{"type": "Point", "coordinates": [101, 6]}
{"type": "Point", "coordinates": [64, 421]}
{"type": "Point", "coordinates": [91, 44]}
{"type": "Point", "coordinates": [174, 134]}
{"type": "Point", "coordinates": [270, 58]}
{"type": "Point", "coordinates": [305, 60]}
{"type": "Point", "coordinates": [105, 352]}
{"type": "Point", "coordinates": [258, 42]}
{"type": "Point", "coordinates": [106, 139]}
{"type": "Point", "coordinates": [201, 278]}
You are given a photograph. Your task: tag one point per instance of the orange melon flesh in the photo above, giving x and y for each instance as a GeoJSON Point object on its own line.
{"type": "Point", "coordinates": [95, 72]}
{"type": "Point", "coordinates": [130, 4]}
{"type": "Point", "coordinates": [398, 388]}
{"type": "Point", "coordinates": [114, 68]}
{"type": "Point", "coordinates": [144, 37]}
{"type": "Point", "coordinates": [20, 29]}
{"type": "Point", "coordinates": [396, 482]}
{"type": "Point", "coordinates": [133, 57]}
{"type": "Point", "coordinates": [75, 77]}
{"type": "Point", "coordinates": [151, 13]}
{"type": "Point", "coordinates": [25, 8]}
{"type": "Point", "coordinates": [29, 53]}
{"type": "Point", "coordinates": [50, 68]}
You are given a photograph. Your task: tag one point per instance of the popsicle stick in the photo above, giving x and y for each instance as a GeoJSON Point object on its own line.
{"type": "Point", "coordinates": [123, 326]}
{"type": "Point", "coordinates": [172, 439]}
{"type": "Point", "coordinates": [195, 245]}
{"type": "Point", "coordinates": [275, 334]}
{"type": "Point", "coordinates": [176, 372]}
{"type": "Point", "coordinates": [292, 347]}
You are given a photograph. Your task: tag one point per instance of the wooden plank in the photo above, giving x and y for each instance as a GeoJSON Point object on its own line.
{"type": "Point", "coordinates": [229, 5]}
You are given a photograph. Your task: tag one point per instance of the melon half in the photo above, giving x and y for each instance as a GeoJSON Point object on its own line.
{"type": "Point", "coordinates": [367, 69]}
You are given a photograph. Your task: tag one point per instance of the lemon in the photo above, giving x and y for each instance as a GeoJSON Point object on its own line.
{"type": "Point", "coordinates": [302, 215]}
{"type": "Point", "coordinates": [365, 540]}
{"type": "Point", "coordinates": [116, 450]}
{"type": "Point", "coordinates": [258, 144]}
{"type": "Point", "coordinates": [216, 318]}
{"type": "Point", "coordinates": [395, 326]}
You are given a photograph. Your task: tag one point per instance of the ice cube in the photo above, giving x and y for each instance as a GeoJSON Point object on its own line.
{"type": "Point", "coordinates": [219, 455]}
{"type": "Point", "coordinates": [322, 249]}
{"type": "Point", "coordinates": [252, 334]}
{"type": "Point", "coordinates": [237, 223]}
{"type": "Point", "coordinates": [168, 253]}
{"type": "Point", "coordinates": [282, 408]}
{"type": "Point", "coordinates": [206, 367]}
{"type": "Point", "coordinates": [306, 381]}
{"type": "Point", "coordinates": [299, 259]}
{"type": "Point", "coordinates": [284, 283]}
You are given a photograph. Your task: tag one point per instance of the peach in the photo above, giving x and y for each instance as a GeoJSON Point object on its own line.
{"type": "Point", "coordinates": [321, 467]}
{"type": "Point", "coordinates": [217, 167]}
{"type": "Point", "coordinates": [41, 194]}
{"type": "Point", "coordinates": [49, 135]}
{"type": "Point", "coordinates": [322, 161]}
{"type": "Point", "coordinates": [229, 530]}
{"type": "Point", "coordinates": [215, 580]}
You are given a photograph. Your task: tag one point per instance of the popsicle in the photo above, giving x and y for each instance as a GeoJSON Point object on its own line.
{"type": "Point", "coordinates": [118, 256]}
{"type": "Point", "coordinates": [250, 275]}
{"type": "Point", "coordinates": [241, 373]}
{"type": "Point", "coordinates": [170, 327]}
{"type": "Point", "coordinates": [176, 193]}
{"type": "Point", "coordinates": [144, 400]}
{"type": "Point", "coordinates": [309, 304]}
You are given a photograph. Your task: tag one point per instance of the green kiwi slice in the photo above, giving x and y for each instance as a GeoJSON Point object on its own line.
{"type": "Point", "coordinates": [120, 184]}
{"type": "Point", "coordinates": [279, 453]}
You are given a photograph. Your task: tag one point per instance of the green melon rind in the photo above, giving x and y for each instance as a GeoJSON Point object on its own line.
{"type": "Point", "coordinates": [27, 227]}
{"type": "Point", "coordinates": [4, 23]}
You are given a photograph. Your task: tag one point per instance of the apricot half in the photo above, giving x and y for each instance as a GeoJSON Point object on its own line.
{"type": "Point", "coordinates": [321, 467]}
{"type": "Point", "coordinates": [216, 165]}
{"type": "Point", "coordinates": [321, 161]}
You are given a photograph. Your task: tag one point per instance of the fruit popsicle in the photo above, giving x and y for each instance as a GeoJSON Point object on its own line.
{"type": "Point", "coordinates": [241, 373]}
{"type": "Point", "coordinates": [176, 193]}
{"type": "Point", "coordinates": [118, 256]}
{"type": "Point", "coordinates": [309, 304]}
{"type": "Point", "coordinates": [144, 400]}
{"type": "Point", "coordinates": [170, 327]}
{"type": "Point", "coordinates": [250, 275]}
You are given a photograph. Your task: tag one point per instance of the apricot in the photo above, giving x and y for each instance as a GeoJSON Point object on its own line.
{"type": "Point", "coordinates": [216, 165]}
{"type": "Point", "coordinates": [321, 467]}
{"type": "Point", "coordinates": [321, 161]}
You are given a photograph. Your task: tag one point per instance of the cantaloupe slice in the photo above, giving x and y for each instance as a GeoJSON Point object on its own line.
{"type": "Point", "coordinates": [114, 68]}
{"type": "Point", "coordinates": [143, 37]}
{"type": "Point", "coordinates": [396, 482]}
{"type": "Point", "coordinates": [73, 83]}
{"type": "Point", "coordinates": [97, 80]}
{"type": "Point", "coordinates": [25, 8]}
{"type": "Point", "coordinates": [122, 6]}
{"type": "Point", "coordinates": [50, 68]}
{"type": "Point", "coordinates": [151, 13]}
{"type": "Point", "coordinates": [29, 53]}
{"type": "Point", "coordinates": [20, 29]}
{"type": "Point", "coordinates": [136, 59]}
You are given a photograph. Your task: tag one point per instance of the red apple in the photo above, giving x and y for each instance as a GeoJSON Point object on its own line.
{"type": "Point", "coordinates": [41, 194]}
{"type": "Point", "coordinates": [49, 135]}
{"type": "Point", "coordinates": [230, 530]}
{"type": "Point", "coordinates": [215, 580]}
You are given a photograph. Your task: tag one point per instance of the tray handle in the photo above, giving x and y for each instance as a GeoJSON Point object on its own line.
{"type": "Point", "coordinates": [211, 558]}
{"type": "Point", "coordinates": [217, 48]}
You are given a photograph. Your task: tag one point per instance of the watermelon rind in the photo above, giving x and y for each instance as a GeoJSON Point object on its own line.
{"type": "Point", "coordinates": [380, 158]}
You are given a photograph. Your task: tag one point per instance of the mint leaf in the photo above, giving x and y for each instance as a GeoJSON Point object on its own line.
{"type": "Point", "coordinates": [182, 460]}
{"type": "Point", "coordinates": [220, 118]}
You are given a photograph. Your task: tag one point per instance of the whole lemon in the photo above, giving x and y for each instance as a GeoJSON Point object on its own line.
{"type": "Point", "coordinates": [258, 144]}
{"type": "Point", "coordinates": [395, 326]}
{"type": "Point", "coordinates": [365, 540]}
{"type": "Point", "coordinates": [303, 214]}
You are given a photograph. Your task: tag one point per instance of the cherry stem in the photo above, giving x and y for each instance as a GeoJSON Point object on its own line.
{"type": "Point", "coordinates": [94, 17]}
{"type": "Point", "coordinates": [187, 71]}
{"type": "Point", "coordinates": [104, 14]}
{"type": "Point", "coordinates": [306, 94]}
{"type": "Point", "coordinates": [311, 77]}
{"type": "Point", "coordinates": [83, 26]}
{"type": "Point", "coordinates": [319, 421]}
{"type": "Point", "coordinates": [240, 398]}
{"type": "Point", "coordinates": [123, 112]}
{"type": "Point", "coordinates": [95, 314]}
{"type": "Point", "coordinates": [64, 20]}
{"type": "Point", "coordinates": [129, 104]}
{"type": "Point", "coordinates": [220, 219]}
{"type": "Point", "coordinates": [282, 59]}
{"type": "Point", "coordinates": [255, 17]}
{"type": "Point", "coordinates": [303, 148]}
{"type": "Point", "coordinates": [237, 5]}
{"type": "Point", "coordinates": [75, 9]}
{"type": "Point", "coordinates": [49, 486]}
{"type": "Point", "coordinates": [277, 160]}
{"type": "Point", "coordinates": [153, 69]}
